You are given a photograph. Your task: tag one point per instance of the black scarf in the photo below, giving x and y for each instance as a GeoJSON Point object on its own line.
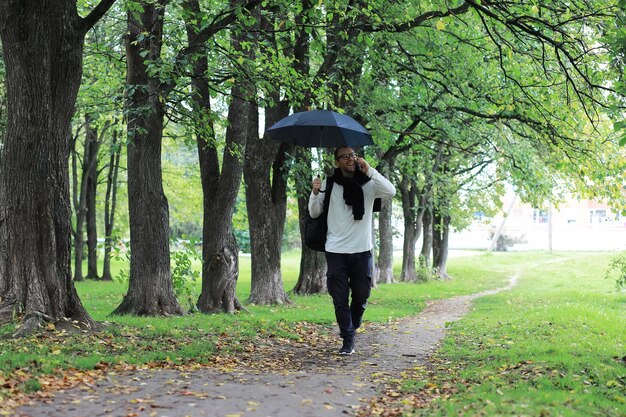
{"type": "Point", "coordinates": [352, 191]}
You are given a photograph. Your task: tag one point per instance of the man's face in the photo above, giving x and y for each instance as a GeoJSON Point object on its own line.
{"type": "Point", "coordinates": [346, 160]}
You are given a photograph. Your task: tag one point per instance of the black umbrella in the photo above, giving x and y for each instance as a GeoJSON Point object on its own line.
{"type": "Point", "coordinates": [320, 128]}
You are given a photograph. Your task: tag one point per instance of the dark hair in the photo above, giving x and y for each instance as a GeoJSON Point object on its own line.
{"type": "Point", "coordinates": [338, 149]}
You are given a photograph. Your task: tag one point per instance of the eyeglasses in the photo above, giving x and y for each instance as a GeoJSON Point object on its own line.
{"type": "Point", "coordinates": [347, 156]}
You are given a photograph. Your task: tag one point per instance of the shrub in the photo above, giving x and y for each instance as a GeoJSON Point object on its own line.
{"type": "Point", "coordinates": [617, 269]}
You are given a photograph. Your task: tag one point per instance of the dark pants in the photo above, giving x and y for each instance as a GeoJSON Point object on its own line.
{"type": "Point", "coordinates": [349, 272]}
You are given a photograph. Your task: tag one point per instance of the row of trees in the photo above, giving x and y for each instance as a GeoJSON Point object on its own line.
{"type": "Point", "coordinates": [461, 97]}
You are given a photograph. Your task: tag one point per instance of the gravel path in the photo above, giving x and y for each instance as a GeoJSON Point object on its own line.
{"type": "Point", "coordinates": [314, 381]}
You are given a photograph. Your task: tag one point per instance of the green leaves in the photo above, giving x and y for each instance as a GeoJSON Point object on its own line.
{"type": "Point", "coordinates": [617, 270]}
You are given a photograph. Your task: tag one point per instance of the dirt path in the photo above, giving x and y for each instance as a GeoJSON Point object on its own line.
{"type": "Point", "coordinates": [312, 380]}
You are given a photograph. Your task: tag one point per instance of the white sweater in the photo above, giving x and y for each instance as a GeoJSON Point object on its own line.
{"type": "Point", "coordinates": [346, 235]}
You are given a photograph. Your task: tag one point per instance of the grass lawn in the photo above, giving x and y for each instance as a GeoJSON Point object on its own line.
{"type": "Point", "coordinates": [551, 346]}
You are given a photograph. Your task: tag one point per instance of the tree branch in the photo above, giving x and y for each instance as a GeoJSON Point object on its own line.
{"type": "Point", "coordinates": [96, 14]}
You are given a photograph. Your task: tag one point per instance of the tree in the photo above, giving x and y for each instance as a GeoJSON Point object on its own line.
{"type": "Point", "coordinates": [220, 266]}
{"type": "Point", "coordinates": [266, 198]}
{"type": "Point", "coordinates": [513, 91]}
{"type": "Point", "coordinates": [42, 48]}
{"type": "Point", "coordinates": [154, 75]}
{"type": "Point", "coordinates": [94, 136]}
{"type": "Point", "coordinates": [150, 290]}
{"type": "Point", "coordinates": [265, 178]}
{"type": "Point", "coordinates": [312, 272]}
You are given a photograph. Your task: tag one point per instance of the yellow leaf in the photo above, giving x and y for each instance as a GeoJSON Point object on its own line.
{"type": "Point", "coordinates": [56, 352]}
{"type": "Point", "coordinates": [535, 9]}
{"type": "Point", "coordinates": [441, 25]}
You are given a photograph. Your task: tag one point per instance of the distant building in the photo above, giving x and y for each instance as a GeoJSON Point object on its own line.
{"type": "Point", "coordinates": [574, 225]}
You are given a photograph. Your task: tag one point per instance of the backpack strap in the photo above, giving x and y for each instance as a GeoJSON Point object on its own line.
{"type": "Point", "coordinates": [329, 188]}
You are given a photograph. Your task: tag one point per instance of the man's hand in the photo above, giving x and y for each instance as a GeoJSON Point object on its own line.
{"type": "Point", "coordinates": [317, 184]}
{"type": "Point", "coordinates": [363, 165]}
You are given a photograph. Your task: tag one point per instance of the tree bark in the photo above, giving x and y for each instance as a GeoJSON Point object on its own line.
{"type": "Point", "coordinates": [427, 239]}
{"type": "Point", "coordinates": [4, 244]}
{"type": "Point", "coordinates": [150, 289]}
{"type": "Point", "coordinates": [91, 224]}
{"type": "Point", "coordinates": [42, 46]}
{"type": "Point", "coordinates": [440, 244]}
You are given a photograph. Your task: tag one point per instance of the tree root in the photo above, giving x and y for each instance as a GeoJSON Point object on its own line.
{"type": "Point", "coordinates": [30, 324]}
{"type": "Point", "coordinates": [36, 321]}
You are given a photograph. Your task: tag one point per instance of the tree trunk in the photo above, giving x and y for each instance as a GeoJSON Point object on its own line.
{"type": "Point", "coordinates": [84, 197]}
{"type": "Point", "coordinates": [312, 276]}
{"type": "Point", "coordinates": [78, 199]}
{"type": "Point", "coordinates": [92, 230]}
{"type": "Point", "coordinates": [427, 240]}
{"type": "Point", "coordinates": [266, 199]}
{"type": "Point", "coordinates": [110, 201]}
{"type": "Point", "coordinates": [265, 175]}
{"type": "Point", "coordinates": [385, 231]}
{"type": "Point", "coordinates": [92, 227]}
{"type": "Point", "coordinates": [375, 272]}
{"type": "Point", "coordinates": [385, 255]}
{"type": "Point", "coordinates": [440, 244]}
{"type": "Point", "coordinates": [150, 289]}
{"type": "Point", "coordinates": [4, 244]}
{"type": "Point", "coordinates": [220, 254]}
{"type": "Point", "coordinates": [412, 229]}
{"type": "Point", "coordinates": [79, 189]}
{"type": "Point", "coordinates": [43, 47]}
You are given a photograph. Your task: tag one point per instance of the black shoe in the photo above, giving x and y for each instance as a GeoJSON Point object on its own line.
{"type": "Point", "coordinates": [348, 346]}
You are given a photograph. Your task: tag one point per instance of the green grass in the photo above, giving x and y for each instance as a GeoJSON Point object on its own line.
{"type": "Point", "coordinates": [553, 346]}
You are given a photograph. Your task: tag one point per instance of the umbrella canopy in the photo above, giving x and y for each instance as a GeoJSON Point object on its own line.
{"type": "Point", "coordinates": [320, 128]}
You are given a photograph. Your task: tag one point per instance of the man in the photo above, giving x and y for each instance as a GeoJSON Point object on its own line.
{"type": "Point", "coordinates": [349, 238]}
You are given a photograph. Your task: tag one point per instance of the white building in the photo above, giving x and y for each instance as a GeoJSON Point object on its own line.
{"type": "Point", "coordinates": [574, 225]}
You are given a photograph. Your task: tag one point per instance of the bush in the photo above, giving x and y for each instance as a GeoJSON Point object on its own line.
{"type": "Point", "coordinates": [617, 269]}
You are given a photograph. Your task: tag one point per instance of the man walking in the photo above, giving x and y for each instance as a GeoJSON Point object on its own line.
{"type": "Point", "coordinates": [349, 238]}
